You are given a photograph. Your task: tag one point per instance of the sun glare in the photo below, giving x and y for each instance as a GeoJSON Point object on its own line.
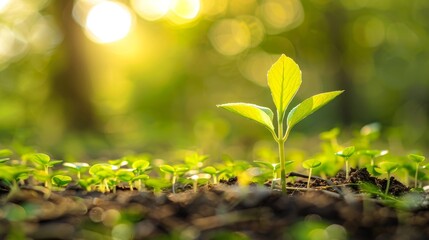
{"type": "Point", "coordinates": [3, 4]}
{"type": "Point", "coordinates": [151, 10]}
{"type": "Point", "coordinates": [108, 22]}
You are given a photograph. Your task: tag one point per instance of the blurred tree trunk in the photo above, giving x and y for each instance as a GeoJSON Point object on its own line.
{"type": "Point", "coordinates": [337, 19]}
{"type": "Point", "coordinates": [72, 85]}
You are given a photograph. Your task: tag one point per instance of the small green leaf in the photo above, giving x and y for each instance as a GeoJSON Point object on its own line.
{"type": "Point", "coordinates": [311, 163]}
{"type": "Point", "coordinates": [167, 168]}
{"type": "Point", "coordinates": [210, 170]}
{"type": "Point", "coordinates": [125, 175]}
{"type": "Point", "coordinates": [346, 152]}
{"type": "Point", "coordinates": [5, 153]}
{"type": "Point", "coordinates": [416, 158]}
{"type": "Point", "coordinates": [387, 167]}
{"type": "Point", "coordinates": [76, 165]}
{"type": "Point", "coordinates": [140, 164]}
{"type": "Point", "coordinates": [284, 80]}
{"type": "Point", "coordinates": [309, 106]}
{"type": "Point", "coordinates": [373, 153]}
{"type": "Point", "coordinates": [39, 158]}
{"type": "Point", "coordinates": [141, 177]}
{"type": "Point", "coordinates": [257, 113]}
{"type": "Point", "coordinates": [61, 180]}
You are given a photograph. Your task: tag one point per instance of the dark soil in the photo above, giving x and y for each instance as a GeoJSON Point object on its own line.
{"type": "Point", "coordinates": [331, 209]}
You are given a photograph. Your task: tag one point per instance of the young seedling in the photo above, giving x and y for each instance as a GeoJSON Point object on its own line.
{"type": "Point", "coordinates": [78, 167]}
{"type": "Point", "coordinates": [11, 175]}
{"type": "Point", "coordinates": [310, 165]}
{"type": "Point", "coordinates": [195, 161]}
{"type": "Point", "coordinates": [213, 172]}
{"type": "Point", "coordinates": [346, 153]}
{"type": "Point", "coordinates": [284, 80]}
{"type": "Point", "coordinates": [196, 177]}
{"type": "Point", "coordinates": [331, 137]}
{"type": "Point", "coordinates": [373, 154]}
{"type": "Point", "coordinates": [140, 167]}
{"type": "Point", "coordinates": [43, 161]}
{"type": "Point", "coordinates": [273, 167]}
{"type": "Point", "coordinates": [417, 159]}
{"type": "Point", "coordinates": [104, 173]}
{"type": "Point", "coordinates": [388, 168]}
{"type": "Point", "coordinates": [158, 184]}
{"type": "Point", "coordinates": [126, 175]}
{"type": "Point", "coordinates": [61, 180]}
{"type": "Point", "coordinates": [175, 171]}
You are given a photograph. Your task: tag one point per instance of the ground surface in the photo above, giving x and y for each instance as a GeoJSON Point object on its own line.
{"type": "Point", "coordinates": [334, 209]}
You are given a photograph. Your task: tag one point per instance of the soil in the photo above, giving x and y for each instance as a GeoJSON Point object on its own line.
{"type": "Point", "coordinates": [332, 208]}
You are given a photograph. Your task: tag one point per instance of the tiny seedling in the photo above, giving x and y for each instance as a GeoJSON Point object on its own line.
{"type": "Point", "coordinates": [61, 180]}
{"type": "Point", "coordinates": [388, 168]}
{"type": "Point", "coordinates": [140, 167]}
{"type": "Point", "coordinates": [373, 154]}
{"type": "Point", "coordinates": [310, 165]}
{"type": "Point", "coordinates": [213, 172]}
{"type": "Point", "coordinates": [126, 175]}
{"type": "Point", "coordinates": [175, 171]}
{"type": "Point", "coordinates": [195, 161]}
{"type": "Point", "coordinates": [331, 137]}
{"type": "Point", "coordinates": [417, 159]}
{"type": "Point", "coordinates": [346, 153]}
{"type": "Point", "coordinates": [43, 161]}
{"type": "Point", "coordinates": [196, 177]}
{"type": "Point", "coordinates": [104, 173]}
{"type": "Point", "coordinates": [78, 167]}
{"type": "Point", "coordinates": [274, 167]}
{"type": "Point", "coordinates": [284, 80]}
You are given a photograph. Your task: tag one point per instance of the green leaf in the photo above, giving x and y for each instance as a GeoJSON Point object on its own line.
{"type": "Point", "coordinates": [141, 164]}
{"type": "Point", "coordinates": [311, 163]}
{"type": "Point", "coordinates": [61, 180]}
{"type": "Point", "coordinates": [309, 106]}
{"type": "Point", "coordinates": [416, 158]}
{"type": "Point", "coordinates": [40, 158]}
{"type": "Point", "coordinates": [257, 113]}
{"type": "Point", "coordinates": [167, 168]}
{"type": "Point", "coordinates": [387, 167]}
{"type": "Point", "coordinates": [284, 80]}
{"type": "Point", "coordinates": [346, 152]}
{"type": "Point", "coordinates": [5, 153]}
{"type": "Point", "coordinates": [210, 170]}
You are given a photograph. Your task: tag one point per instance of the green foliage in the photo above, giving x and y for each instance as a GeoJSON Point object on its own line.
{"type": "Point", "coordinates": [284, 80]}
{"type": "Point", "coordinates": [61, 180]}
{"type": "Point", "coordinates": [4, 154]}
{"type": "Point", "coordinates": [387, 167]}
{"type": "Point", "coordinates": [310, 165]}
{"type": "Point", "coordinates": [346, 153]}
{"type": "Point", "coordinates": [417, 159]}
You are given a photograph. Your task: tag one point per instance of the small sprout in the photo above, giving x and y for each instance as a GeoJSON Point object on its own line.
{"type": "Point", "coordinates": [104, 172]}
{"type": "Point", "coordinates": [388, 168]}
{"type": "Point", "coordinates": [43, 161]}
{"type": "Point", "coordinates": [310, 164]}
{"type": "Point", "coordinates": [78, 167]}
{"type": "Point", "coordinates": [213, 172]}
{"type": "Point", "coordinates": [126, 175]}
{"type": "Point", "coordinates": [118, 163]}
{"type": "Point", "coordinates": [196, 177]}
{"type": "Point", "coordinates": [61, 180]}
{"type": "Point", "coordinates": [417, 159]}
{"type": "Point", "coordinates": [274, 167]}
{"type": "Point", "coordinates": [12, 175]}
{"type": "Point", "coordinates": [373, 154]}
{"type": "Point", "coordinates": [346, 153]}
{"type": "Point", "coordinates": [139, 179]}
{"type": "Point", "coordinates": [175, 172]}
{"type": "Point", "coordinates": [284, 81]}
{"type": "Point", "coordinates": [331, 136]}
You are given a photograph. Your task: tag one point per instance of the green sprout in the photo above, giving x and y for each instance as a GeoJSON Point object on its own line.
{"type": "Point", "coordinates": [140, 167]}
{"type": "Point", "coordinates": [310, 165]}
{"type": "Point", "coordinates": [126, 175]}
{"type": "Point", "coordinates": [78, 167]}
{"type": "Point", "coordinates": [195, 160]}
{"type": "Point", "coordinates": [417, 159]}
{"type": "Point", "coordinates": [196, 177]}
{"type": "Point", "coordinates": [175, 171]}
{"type": "Point", "coordinates": [373, 154]}
{"type": "Point", "coordinates": [388, 168]}
{"type": "Point", "coordinates": [213, 172]}
{"type": "Point", "coordinates": [43, 161]}
{"type": "Point", "coordinates": [60, 180]}
{"type": "Point", "coordinates": [104, 173]}
{"type": "Point", "coordinates": [284, 80]}
{"type": "Point", "coordinates": [346, 153]}
{"type": "Point", "coordinates": [158, 184]}
{"type": "Point", "coordinates": [11, 175]}
{"type": "Point", "coordinates": [273, 167]}
{"type": "Point", "coordinates": [331, 137]}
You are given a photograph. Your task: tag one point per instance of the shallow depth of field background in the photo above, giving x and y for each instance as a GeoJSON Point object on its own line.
{"type": "Point", "coordinates": [94, 77]}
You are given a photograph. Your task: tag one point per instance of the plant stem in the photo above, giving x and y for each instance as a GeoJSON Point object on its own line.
{"type": "Point", "coordinates": [388, 184]}
{"type": "Point", "coordinates": [281, 144]}
{"type": "Point", "coordinates": [347, 169]}
{"type": "Point", "coordinates": [173, 181]}
{"type": "Point", "coordinates": [309, 177]}
{"type": "Point", "coordinates": [415, 177]}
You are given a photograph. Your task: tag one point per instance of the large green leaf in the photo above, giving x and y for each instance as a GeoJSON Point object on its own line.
{"type": "Point", "coordinates": [309, 106]}
{"type": "Point", "coordinates": [284, 80]}
{"type": "Point", "coordinates": [257, 113]}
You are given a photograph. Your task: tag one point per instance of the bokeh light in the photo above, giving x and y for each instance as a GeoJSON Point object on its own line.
{"type": "Point", "coordinates": [230, 36]}
{"type": "Point", "coordinates": [151, 9]}
{"type": "Point", "coordinates": [184, 11]}
{"type": "Point", "coordinates": [281, 15]}
{"type": "Point", "coordinates": [108, 22]}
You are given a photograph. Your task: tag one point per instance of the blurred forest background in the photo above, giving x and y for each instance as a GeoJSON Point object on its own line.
{"type": "Point", "coordinates": [88, 77]}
